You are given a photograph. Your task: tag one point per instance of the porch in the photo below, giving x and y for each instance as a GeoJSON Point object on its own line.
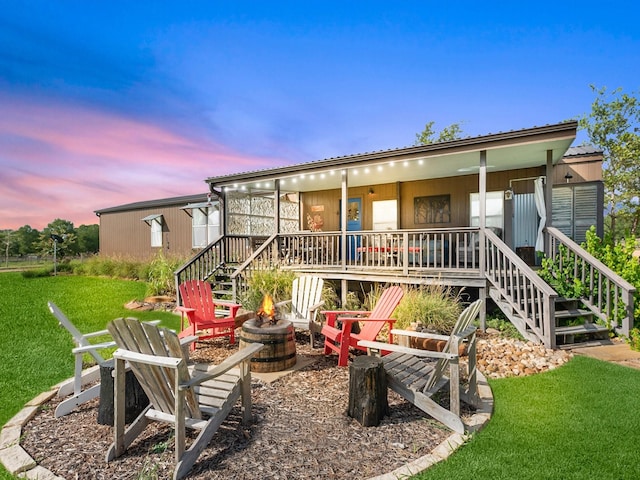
{"type": "Point", "coordinates": [431, 213]}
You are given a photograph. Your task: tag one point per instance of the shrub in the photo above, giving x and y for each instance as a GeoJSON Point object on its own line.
{"type": "Point", "coordinates": [435, 307]}
{"type": "Point", "coordinates": [160, 278]}
{"type": "Point", "coordinates": [274, 282]}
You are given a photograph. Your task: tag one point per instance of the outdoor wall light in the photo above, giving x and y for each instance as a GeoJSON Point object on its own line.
{"type": "Point", "coordinates": [568, 177]}
{"type": "Point", "coordinates": [508, 194]}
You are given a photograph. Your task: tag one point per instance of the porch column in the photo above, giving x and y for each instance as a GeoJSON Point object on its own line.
{"type": "Point", "coordinates": [343, 218]}
{"type": "Point", "coordinates": [548, 199]}
{"type": "Point", "coordinates": [482, 211]}
{"type": "Point", "coordinates": [223, 219]}
{"type": "Point", "coordinates": [482, 193]}
{"type": "Point", "coordinates": [276, 206]}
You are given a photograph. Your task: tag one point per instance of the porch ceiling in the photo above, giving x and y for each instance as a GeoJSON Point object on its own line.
{"type": "Point", "coordinates": [507, 151]}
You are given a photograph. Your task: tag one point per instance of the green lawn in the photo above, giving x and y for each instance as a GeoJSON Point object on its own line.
{"type": "Point", "coordinates": [35, 353]}
{"type": "Point", "coordinates": [576, 422]}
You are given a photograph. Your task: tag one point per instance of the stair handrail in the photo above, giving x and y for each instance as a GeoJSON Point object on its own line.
{"type": "Point", "coordinates": [522, 288]}
{"type": "Point", "coordinates": [238, 277]}
{"type": "Point", "coordinates": [601, 305]}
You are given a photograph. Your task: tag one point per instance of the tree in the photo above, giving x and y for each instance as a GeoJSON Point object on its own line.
{"type": "Point", "coordinates": [26, 239]}
{"type": "Point", "coordinates": [62, 229]}
{"type": "Point", "coordinates": [613, 125]}
{"type": "Point", "coordinates": [428, 135]}
{"type": "Point", "coordinates": [88, 239]}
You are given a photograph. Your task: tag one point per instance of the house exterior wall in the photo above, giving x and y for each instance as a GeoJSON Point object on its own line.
{"type": "Point", "coordinates": [125, 234]}
{"type": "Point", "coordinates": [459, 189]}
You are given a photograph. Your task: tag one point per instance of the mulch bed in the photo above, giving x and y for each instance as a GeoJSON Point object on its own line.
{"type": "Point", "coordinates": [300, 430]}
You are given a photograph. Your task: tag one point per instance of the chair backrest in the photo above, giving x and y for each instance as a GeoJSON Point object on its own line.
{"type": "Point", "coordinates": [305, 293]}
{"type": "Point", "coordinates": [197, 294]}
{"type": "Point", "coordinates": [78, 337]}
{"type": "Point", "coordinates": [158, 382]}
{"type": "Point", "coordinates": [383, 309]}
{"type": "Point", "coordinates": [463, 322]}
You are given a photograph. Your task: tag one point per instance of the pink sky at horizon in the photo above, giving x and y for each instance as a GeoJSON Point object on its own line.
{"type": "Point", "coordinates": [66, 161]}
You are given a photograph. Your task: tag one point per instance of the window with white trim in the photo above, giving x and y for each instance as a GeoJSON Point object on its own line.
{"type": "Point", "coordinates": [205, 224]}
{"type": "Point", "coordinates": [155, 222]}
{"type": "Point", "coordinates": [494, 210]}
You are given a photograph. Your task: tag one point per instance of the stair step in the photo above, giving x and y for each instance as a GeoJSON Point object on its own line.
{"type": "Point", "coordinates": [587, 328]}
{"type": "Point", "coordinates": [573, 312]}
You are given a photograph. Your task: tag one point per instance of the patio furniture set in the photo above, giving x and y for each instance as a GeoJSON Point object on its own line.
{"type": "Point", "coordinates": [200, 397]}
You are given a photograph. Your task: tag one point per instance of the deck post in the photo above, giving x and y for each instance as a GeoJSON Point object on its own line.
{"type": "Point", "coordinates": [343, 219]}
{"type": "Point", "coordinates": [482, 194]}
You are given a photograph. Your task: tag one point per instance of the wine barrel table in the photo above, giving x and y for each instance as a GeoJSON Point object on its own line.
{"type": "Point", "coordinates": [279, 352]}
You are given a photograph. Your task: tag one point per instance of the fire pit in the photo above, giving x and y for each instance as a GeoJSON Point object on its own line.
{"type": "Point", "coordinates": [277, 335]}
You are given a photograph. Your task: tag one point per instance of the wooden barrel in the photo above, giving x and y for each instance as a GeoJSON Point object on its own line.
{"type": "Point", "coordinates": [279, 352]}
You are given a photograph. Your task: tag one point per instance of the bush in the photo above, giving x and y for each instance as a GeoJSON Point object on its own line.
{"type": "Point", "coordinates": [274, 282]}
{"type": "Point", "coordinates": [160, 278]}
{"type": "Point", "coordinates": [435, 307]}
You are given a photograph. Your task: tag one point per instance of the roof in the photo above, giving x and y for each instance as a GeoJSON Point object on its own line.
{"type": "Point", "coordinates": [162, 202]}
{"type": "Point", "coordinates": [581, 150]}
{"type": "Point", "coordinates": [505, 151]}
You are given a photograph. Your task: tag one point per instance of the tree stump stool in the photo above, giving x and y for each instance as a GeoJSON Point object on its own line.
{"type": "Point", "coordinates": [135, 398]}
{"type": "Point", "coordinates": [367, 390]}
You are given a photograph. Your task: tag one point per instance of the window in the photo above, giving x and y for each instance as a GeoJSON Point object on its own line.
{"type": "Point", "coordinates": [385, 215]}
{"type": "Point", "coordinates": [494, 209]}
{"type": "Point", "coordinates": [205, 222]}
{"type": "Point", "coordinates": [155, 222]}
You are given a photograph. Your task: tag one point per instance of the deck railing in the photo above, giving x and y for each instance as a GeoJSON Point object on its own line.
{"type": "Point", "coordinates": [607, 295]}
{"type": "Point", "coordinates": [212, 258]}
{"type": "Point", "coordinates": [444, 248]}
{"type": "Point", "coordinates": [531, 299]}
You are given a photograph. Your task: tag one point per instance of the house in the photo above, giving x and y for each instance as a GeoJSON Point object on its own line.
{"type": "Point", "coordinates": [468, 213]}
{"type": "Point", "coordinates": [177, 226]}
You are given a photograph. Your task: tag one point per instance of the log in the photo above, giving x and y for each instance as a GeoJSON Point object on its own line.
{"type": "Point", "coordinates": [367, 390]}
{"type": "Point", "coordinates": [135, 398]}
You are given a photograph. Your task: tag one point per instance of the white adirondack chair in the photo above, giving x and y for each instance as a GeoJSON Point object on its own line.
{"type": "Point", "coordinates": [81, 378]}
{"type": "Point", "coordinates": [417, 375]}
{"type": "Point", "coordinates": [302, 309]}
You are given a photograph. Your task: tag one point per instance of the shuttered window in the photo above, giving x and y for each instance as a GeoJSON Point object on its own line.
{"type": "Point", "coordinates": [574, 209]}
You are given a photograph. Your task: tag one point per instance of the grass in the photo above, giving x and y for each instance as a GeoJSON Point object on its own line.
{"type": "Point", "coordinates": [576, 422]}
{"type": "Point", "coordinates": [35, 353]}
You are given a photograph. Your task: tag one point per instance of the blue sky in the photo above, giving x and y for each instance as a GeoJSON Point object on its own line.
{"type": "Point", "coordinates": [106, 103]}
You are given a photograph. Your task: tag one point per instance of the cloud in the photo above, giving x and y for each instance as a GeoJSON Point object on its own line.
{"type": "Point", "coordinates": [61, 160]}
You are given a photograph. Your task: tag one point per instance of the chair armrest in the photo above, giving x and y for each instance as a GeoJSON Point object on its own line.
{"type": "Point", "coordinates": [283, 303]}
{"type": "Point", "coordinates": [229, 363]}
{"type": "Point", "coordinates": [226, 303]}
{"type": "Point", "coordinates": [94, 346]}
{"type": "Point", "coordinates": [313, 308]}
{"type": "Point", "coordinates": [345, 312]}
{"type": "Point", "coordinates": [410, 333]}
{"type": "Point", "coordinates": [184, 309]}
{"type": "Point", "coordinates": [390, 347]}
{"type": "Point", "coordinates": [99, 333]}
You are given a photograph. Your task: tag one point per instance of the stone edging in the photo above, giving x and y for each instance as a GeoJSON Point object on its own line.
{"type": "Point", "coordinates": [18, 462]}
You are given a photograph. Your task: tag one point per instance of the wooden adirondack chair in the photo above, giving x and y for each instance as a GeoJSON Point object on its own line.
{"type": "Point", "coordinates": [80, 378]}
{"type": "Point", "coordinates": [203, 316]}
{"type": "Point", "coordinates": [417, 375]}
{"type": "Point", "coordinates": [305, 301]}
{"type": "Point", "coordinates": [201, 400]}
{"type": "Point", "coordinates": [339, 339]}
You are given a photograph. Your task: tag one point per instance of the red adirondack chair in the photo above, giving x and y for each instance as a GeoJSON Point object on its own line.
{"type": "Point", "coordinates": [339, 339]}
{"type": "Point", "coordinates": [203, 313]}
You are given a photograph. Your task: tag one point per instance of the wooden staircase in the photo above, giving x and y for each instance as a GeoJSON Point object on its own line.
{"type": "Point", "coordinates": [576, 324]}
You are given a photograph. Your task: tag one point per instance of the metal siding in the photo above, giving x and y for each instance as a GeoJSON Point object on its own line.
{"type": "Point", "coordinates": [525, 220]}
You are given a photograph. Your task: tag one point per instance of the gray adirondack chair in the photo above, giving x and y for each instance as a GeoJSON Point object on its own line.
{"type": "Point", "coordinates": [417, 375]}
{"type": "Point", "coordinates": [198, 400]}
